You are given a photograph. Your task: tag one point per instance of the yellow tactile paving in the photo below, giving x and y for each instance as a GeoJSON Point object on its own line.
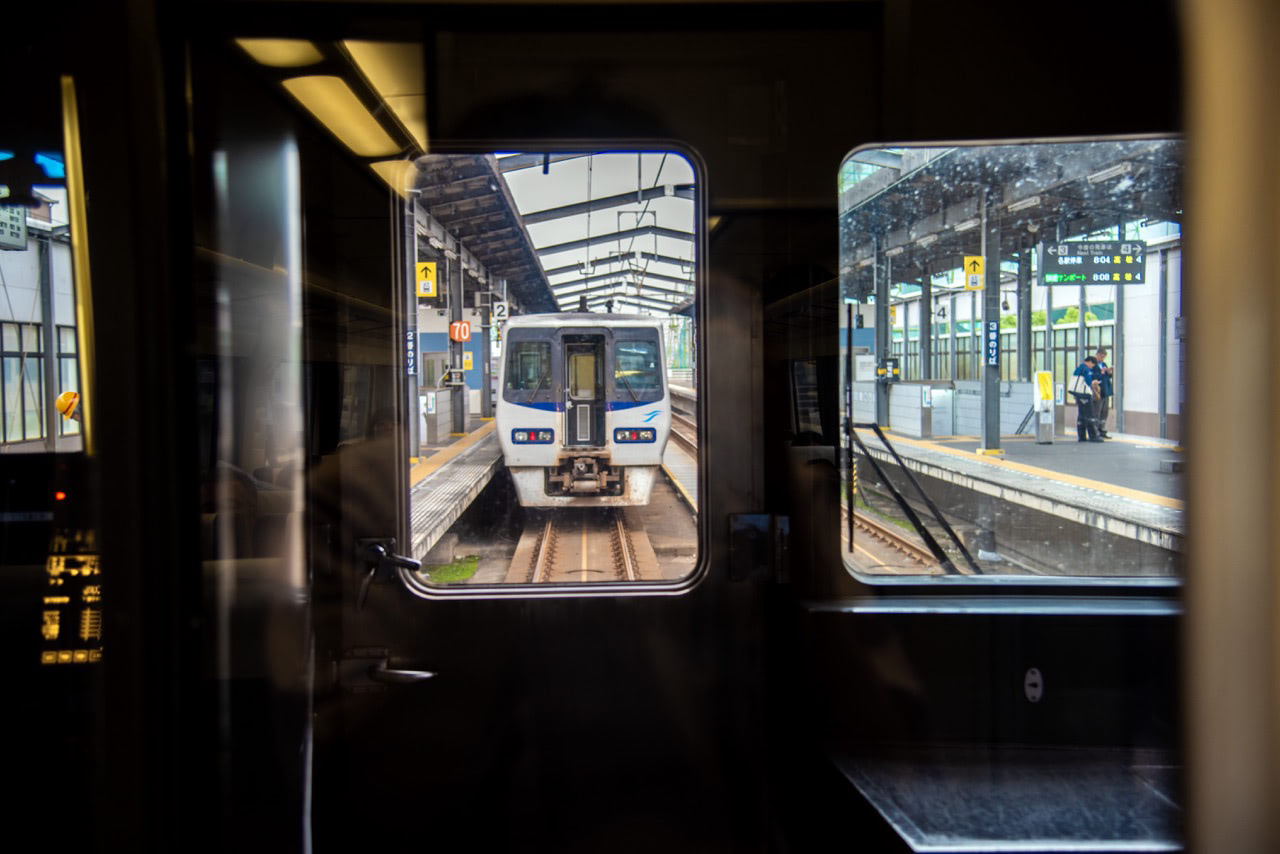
{"type": "Point", "coordinates": [1101, 486]}
{"type": "Point", "coordinates": [442, 456]}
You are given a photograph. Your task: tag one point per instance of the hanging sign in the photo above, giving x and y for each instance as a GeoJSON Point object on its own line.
{"type": "Point", "coordinates": [1094, 262]}
{"type": "Point", "coordinates": [973, 267]}
{"type": "Point", "coordinates": [426, 278]}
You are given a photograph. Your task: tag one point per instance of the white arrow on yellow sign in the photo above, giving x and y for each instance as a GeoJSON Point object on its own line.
{"type": "Point", "coordinates": [973, 265]}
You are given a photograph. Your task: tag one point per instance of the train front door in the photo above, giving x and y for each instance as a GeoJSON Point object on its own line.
{"type": "Point", "coordinates": [584, 399]}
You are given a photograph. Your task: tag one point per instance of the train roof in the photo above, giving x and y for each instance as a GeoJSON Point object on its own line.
{"type": "Point", "coordinates": [583, 318]}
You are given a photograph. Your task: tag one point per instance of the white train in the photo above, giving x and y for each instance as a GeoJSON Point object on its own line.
{"type": "Point", "coordinates": [584, 411]}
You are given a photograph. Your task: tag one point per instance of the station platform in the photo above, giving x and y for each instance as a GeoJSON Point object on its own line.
{"type": "Point", "coordinates": [443, 484]}
{"type": "Point", "coordinates": [1119, 485]}
{"type": "Point", "coordinates": [681, 469]}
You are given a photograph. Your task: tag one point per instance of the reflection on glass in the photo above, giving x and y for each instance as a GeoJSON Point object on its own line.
{"type": "Point", "coordinates": [575, 272]}
{"type": "Point", "coordinates": [977, 284]}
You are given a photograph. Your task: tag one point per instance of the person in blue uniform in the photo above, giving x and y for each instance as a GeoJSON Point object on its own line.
{"type": "Point", "coordinates": [1103, 374]}
{"type": "Point", "coordinates": [1086, 427]}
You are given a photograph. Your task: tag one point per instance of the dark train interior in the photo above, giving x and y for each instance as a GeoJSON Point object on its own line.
{"type": "Point", "coordinates": [255, 677]}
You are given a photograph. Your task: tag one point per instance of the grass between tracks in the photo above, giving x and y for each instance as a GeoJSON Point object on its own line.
{"type": "Point", "coordinates": [445, 573]}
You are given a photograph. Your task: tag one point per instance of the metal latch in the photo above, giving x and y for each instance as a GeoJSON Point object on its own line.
{"type": "Point", "coordinates": [759, 547]}
{"type": "Point", "coordinates": [380, 561]}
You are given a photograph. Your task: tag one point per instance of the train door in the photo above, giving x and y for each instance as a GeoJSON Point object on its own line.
{"type": "Point", "coordinates": [584, 401]}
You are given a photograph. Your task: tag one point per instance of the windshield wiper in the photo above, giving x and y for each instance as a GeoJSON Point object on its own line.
{"type": "Point", "coordinates": [627, 383]}
{"type": "Point", "coordinates": [537, 387]}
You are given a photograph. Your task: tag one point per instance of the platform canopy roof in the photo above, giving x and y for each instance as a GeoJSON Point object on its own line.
{"type": "Point", "coordinates": [924, 205]}
{"type": "Point", "coordinates": [615, 228]}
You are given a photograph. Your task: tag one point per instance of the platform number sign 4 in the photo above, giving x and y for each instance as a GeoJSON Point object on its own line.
{"type": "Point", "coordinates": [500, 311]}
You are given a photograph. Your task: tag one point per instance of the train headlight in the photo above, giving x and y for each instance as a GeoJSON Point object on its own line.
{"type": "Point", "coordinates": [626, 435]}
{"type": "Point", "coordinates": [532, 437]}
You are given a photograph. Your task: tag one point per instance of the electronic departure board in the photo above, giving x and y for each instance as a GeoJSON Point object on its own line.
{"type": "Point", "coordinates": [71, 608]}
{"type": "Point", "coordinates": [1094, 262]}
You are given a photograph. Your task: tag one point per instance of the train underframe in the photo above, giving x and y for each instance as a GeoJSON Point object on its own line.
{"type": "Point", "coordinates": [584, 480]}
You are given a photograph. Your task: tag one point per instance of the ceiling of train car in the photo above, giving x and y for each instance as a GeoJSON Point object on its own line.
{"type": "Point", "coordinates": [615, 228]}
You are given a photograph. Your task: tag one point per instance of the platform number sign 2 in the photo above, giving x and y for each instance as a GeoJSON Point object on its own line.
{"type": "Point", "coordinates": [500, 310]}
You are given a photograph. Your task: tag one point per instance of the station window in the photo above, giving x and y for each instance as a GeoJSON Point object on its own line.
{"type": "Point", "coordinates": [1024, 268]}
{"type": "Point", "coordinates": [559, 290]}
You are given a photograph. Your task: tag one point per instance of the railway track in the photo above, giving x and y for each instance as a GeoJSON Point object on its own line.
{"type": "Point", "coordinates": [581, 546]}
{"type": "Point", "coordinates": [685, 431]}
{"type": "Point", "coordinates": [888, 542]}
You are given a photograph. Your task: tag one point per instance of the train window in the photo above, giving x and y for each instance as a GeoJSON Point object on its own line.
{"type": "Point", "coordinates": [529, 369]}
{"type": "Point", "coordinates": [636, 370]}
{"type": "Point", "coordinates": [1011, 360]}
{"type": "Point", "coordinates": [559, 288]}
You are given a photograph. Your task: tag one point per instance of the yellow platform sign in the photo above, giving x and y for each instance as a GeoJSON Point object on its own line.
{"type": "Point", "coordinates": [427, 278]}
{"type": "Point", "coordinates": [466, 360]}
{"type": "Point", "coordinates": [973, 269]}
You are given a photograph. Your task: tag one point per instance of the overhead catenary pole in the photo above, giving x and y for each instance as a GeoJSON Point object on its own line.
{"type": "Point", "coordinates": [1117, 345]}
{"type": "Point", "coordinates": [409, 234]}
{"type": "Point", "coordinates": [990, 360]}
{"type": "Point", "coordinates": [880, 279]}
{"type": "Point", "coordinates": [926, 323]}
{"type": "Point", "coordinates": [482, 360]}
{"type": "Point", "coordinates": [458, 395]}
{"type": "Point", "coordinates": [1024, 309]}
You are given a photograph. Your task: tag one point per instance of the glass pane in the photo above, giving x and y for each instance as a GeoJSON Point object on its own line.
{"type": "Point", "coordinates": [66, 339]}
{"type": "Point", "coordinates": [33, 400]}
{"type": "Point", "coordinates": [30, 338]}
{"type": "Point", "coordinates": [636, 368]}
{"type": "Point", "coordinates": [1085, 485]}
{"type": "Point", "coordinates": [593, 363]}
{"type": "Point", "coordinates": [529, 366]}
{"type": "Point", "coordinates": [10, 334]}
{"type": "Point", "coordinates": [12, 399]}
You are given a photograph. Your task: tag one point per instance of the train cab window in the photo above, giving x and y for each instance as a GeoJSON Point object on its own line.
{"type": "Point", "coordinates": [557, 448]}
{"type": "Point", "coordinates": [636, 370]}
{"type": "Point", "coordinates": [529, 368]}
{"type": "Point", "coordinates": [1010, 361]}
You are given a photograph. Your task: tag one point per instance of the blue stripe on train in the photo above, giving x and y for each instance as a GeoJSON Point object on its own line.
{"type": "Point", "coordinates": [614, 406]}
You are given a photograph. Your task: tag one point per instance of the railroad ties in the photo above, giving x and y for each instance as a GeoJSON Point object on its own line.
{"type": "Point", "coordinates": [582, 545]}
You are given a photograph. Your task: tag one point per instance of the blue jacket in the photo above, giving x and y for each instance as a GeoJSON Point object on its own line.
{"type": "Point", "coordinates": [1105, 378]}
{"type": "Point", "coordinates": [1083, 370]}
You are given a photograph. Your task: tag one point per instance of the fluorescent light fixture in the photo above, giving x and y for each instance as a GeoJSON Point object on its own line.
{"type": "Point", "coordinates": [865, 262]}
{"type": "Point", "coordinates": [395, 173]}
{"type": "Point", "coordinates": [281, 53]}
{"type": "Point", "coordinates": [1122, 168]}
{"type": "Point", "coordinates": [335, 106]}
{"type": "Point", "coordinates": [396, 71]}
{"type": "Point", "coordinates": [966, 225]}
{"type": "Point", "coordinates": [1023, 204]}
{"type": "Point", "coordinates": [894, 252]}
{"type": "Point", "coordinates": [927, 240]}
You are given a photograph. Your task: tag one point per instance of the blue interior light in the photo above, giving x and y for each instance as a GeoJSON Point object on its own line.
{"type": "Point", "coordinates": [6, 155]}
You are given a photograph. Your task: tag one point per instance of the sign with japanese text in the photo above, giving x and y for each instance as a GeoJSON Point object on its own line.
{"type": "Point", "coordinates": [1094, 262]}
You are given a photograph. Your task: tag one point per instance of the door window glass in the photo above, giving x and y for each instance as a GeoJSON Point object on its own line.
{"type": "Point", "coordinates": [1026, 266]}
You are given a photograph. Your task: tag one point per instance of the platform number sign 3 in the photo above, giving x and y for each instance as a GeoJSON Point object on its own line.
{"type": "Point", "coordinates": [500, 311]}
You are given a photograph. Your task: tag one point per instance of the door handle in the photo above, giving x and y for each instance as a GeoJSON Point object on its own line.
{"type": "Point", "coordinates": [381, 673]}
